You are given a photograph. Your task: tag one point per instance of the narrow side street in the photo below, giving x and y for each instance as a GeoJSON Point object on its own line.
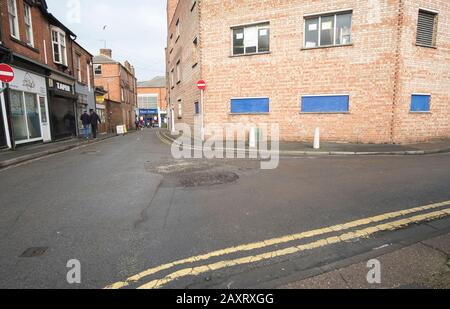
{"type": "Point", "coordinates": [124, 206]}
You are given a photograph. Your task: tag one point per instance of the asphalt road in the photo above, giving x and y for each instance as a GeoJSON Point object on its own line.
{"type": "Point", "coordinates": [124, 205]}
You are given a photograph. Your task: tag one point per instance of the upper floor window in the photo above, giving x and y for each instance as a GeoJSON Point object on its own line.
{"type": "Point", "coordinates": [195, 51]}
{"type": "Point", "coordinates": [97, 69]}
{"type": "Point", "coordinates": [251, 39]}
{"type": "Point", "coordinates": [328, 30]}
{"type": "Point", "coordinates": [172, 78]}
{"type": "Point", "coordinates": [28, 24]}
{"type": "Point", "coordinates": [147, 101]}
{"type": "Point", "coordinates": [179, 71]}
{"type": "Point", "coordinates": [427, 28]}
{"type": "Point", "coordinates": [59, 46]}
{"type": "Point", "coordinates": [178, 26]}
{"type": "Point", "coordinates": [13, 21]}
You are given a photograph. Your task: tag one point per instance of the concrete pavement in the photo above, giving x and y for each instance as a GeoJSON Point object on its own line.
{"type": "Point", "coordinates": [124, 206]}
{"type": "Point", "coordinates": [329, 148]}
{"type": "Point", "coordinates": [422, 265]}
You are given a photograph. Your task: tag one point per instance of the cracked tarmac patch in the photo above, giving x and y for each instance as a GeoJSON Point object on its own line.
{"type": "Point", "coordinates": [202, 173]}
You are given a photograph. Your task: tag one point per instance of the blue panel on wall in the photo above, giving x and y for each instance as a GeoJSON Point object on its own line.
{"type": "Point", "coordinates": [325, 104]}
{"type": "Point", "coordinates": [250, 106]}
{"type": "Point", "coordinates": [197, 108]}
{"type": "Point", "coordinates": [420, 103]}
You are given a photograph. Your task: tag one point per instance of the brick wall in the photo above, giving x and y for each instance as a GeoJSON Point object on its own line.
{"type": "Point", "coordinates": [181, 50]}
{"type": "Point", "coordinates": [42, 49]}
{"type": "Point", "coordinates": [114, 78]}
{"type": "Point", "coordinates": [424, 70]}
{"type": "Point", "coordinates": [87, 78]}
{"type": "Point", "coordinates": [365, 70]}
{"type": "Point", "coordinates": [379, 71]}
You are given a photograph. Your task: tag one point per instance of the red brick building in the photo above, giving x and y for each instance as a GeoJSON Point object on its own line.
{"type": "Point", "coordinates": [41, 104]}
{"type": "Point", "coordinates": [120, 84]}
{"type": "Point", "coordinates": [372, 71]}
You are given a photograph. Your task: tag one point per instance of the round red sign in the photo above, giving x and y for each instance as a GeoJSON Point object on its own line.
{"type": "Point", "coordinates": [201, 85]}
{"type": "Point", "coordinates": [6, 73]}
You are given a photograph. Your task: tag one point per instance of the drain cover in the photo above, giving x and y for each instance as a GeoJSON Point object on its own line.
{"type": "Point", "coordinates": [34, 252]}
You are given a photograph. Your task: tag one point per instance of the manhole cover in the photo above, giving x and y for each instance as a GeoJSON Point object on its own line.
{"type": "Point", "coordinates": [34, 252]}
{"type": "Point", "coordinates": [208, 179]}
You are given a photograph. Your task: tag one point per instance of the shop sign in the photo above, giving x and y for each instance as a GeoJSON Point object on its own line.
{"type": "Point", "coordinates": [148, 111]}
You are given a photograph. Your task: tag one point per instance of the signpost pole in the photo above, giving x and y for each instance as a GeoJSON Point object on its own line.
{"type": "Point", "coordinates": [203, 115]}
{"type": "Point", "coordinates": [9, 113]}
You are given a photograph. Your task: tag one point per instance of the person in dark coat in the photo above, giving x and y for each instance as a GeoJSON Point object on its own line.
{"type": "Point", "coordinates": [86, 121]}
{"type": "Point", "coordinates": [95, 121]}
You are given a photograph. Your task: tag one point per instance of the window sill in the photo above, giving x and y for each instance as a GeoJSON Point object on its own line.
{"type": "Point", "coordinates": [325, 113]}
{"type": "Point", "coordinates": [249, 114]}
{"type": "Point", "coordinates": [253, 54]}
{"type": "Point", "coordinates": [15, 40]}
{"type": "Point", "coordinates": [421, 113]}
{"type": "Point", "coordinates": [426, 46]}
{"type": "Point", "coordinates": [326, 47]}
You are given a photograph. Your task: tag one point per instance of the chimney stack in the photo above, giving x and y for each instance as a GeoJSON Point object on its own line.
{"type": "Point", "coordinates": [106, 52]}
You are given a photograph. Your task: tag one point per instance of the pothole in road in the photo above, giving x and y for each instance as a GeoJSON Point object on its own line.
{"type": "Point", "coordinates": [208, 179]}
{"type": "Point", "coordinates": [201, 173]}
{"type": "Point", "coordinates": [177, 167]}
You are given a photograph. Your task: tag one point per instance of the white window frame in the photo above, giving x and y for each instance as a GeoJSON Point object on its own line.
{"type": "Point", "coordinates": [259, 26]}
{"type": "Point", "coordinates": [319, 17]}
{"type": "Point", "coordinates": [28, 24]}
{"type": "Point", "coordinates": [13, 24]}
{"type": "Point", "coordinates": [98, 66]}
{"type": "Point", "coordinates": [62, 46]}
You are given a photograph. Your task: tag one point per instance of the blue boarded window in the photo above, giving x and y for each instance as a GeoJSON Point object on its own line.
{"type": "Point", "coordinates": [250, 106]}
{"type": "Point", "coordinates": [420, 103]}
{"type": "Point", "coordinates": [197, 108]}
{"type": "Point", "coordinates": [325, 104]}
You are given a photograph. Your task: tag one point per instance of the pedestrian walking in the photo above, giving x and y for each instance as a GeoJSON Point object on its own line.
{"type": "Point", "coordinates": [95, 121]}
{"type": "Point", "coordinates": [86, 121]}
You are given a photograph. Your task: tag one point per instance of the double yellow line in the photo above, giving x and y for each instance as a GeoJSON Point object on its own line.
{"type": "Point", "coordinates": [365, 232]}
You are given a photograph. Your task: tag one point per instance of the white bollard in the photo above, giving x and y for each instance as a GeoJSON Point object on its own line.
{"type": "Point", "coordinates": [317, 138]}
{"type": "Point", "coordinates": [252, 138]}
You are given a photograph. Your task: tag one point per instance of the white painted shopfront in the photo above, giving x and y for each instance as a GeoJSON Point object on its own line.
{"type": "Point", "coordinates": [29, 108]}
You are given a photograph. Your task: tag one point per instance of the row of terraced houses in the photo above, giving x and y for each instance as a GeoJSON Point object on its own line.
{"type": "Point", "coordinates": [370, 71]}
{"type": "Point", "coordinates": [55, 81]}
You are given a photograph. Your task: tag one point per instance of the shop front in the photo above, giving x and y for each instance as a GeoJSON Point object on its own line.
{"type": "Point", "coordinates": [150, 117]}
{"type": "Point", "coordinates": [28, 108]}
{"type": "Point", "coordinates": [62, 108]}
{"type": "Point", "coordinates": [86, 102]}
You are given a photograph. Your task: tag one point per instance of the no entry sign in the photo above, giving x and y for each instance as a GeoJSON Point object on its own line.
{"type": "Point", "coordinates": [6, 73]}
{"type": "Point", "coordinates": [201, 85]}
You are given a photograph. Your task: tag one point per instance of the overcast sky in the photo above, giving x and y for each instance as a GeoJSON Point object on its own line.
{"type": "Point", "coordinates": [135, 30]}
